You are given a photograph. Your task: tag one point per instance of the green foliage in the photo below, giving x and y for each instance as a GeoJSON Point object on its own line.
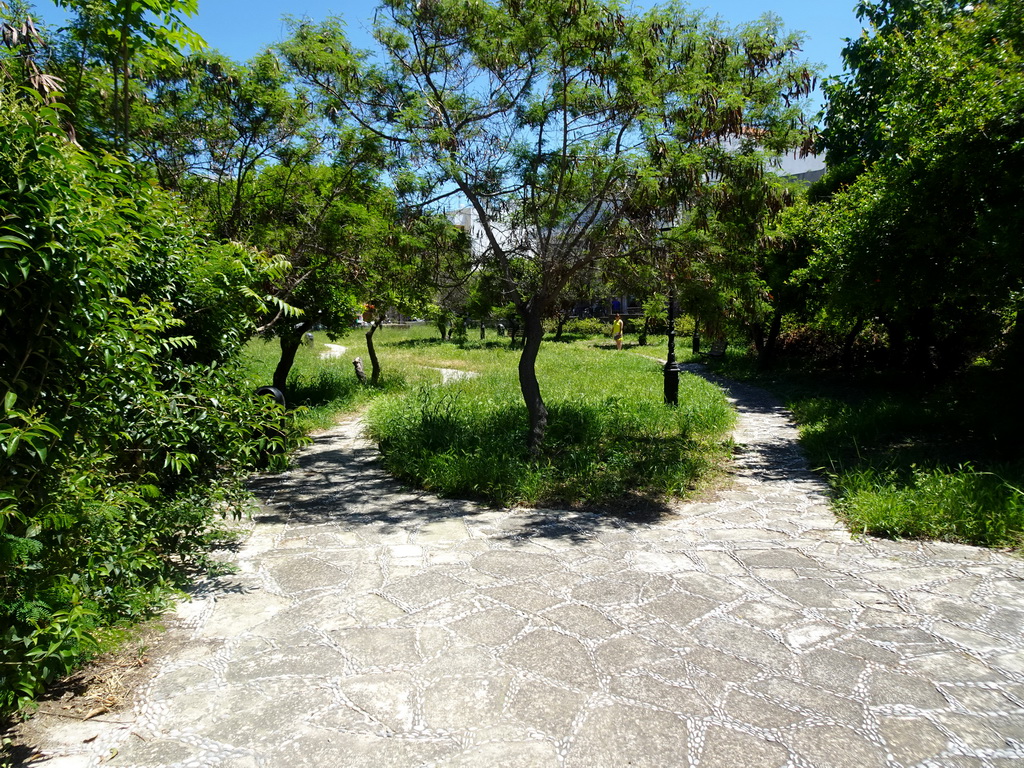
{"type": "Point", "coordinates": [953, 504]}
{"type": "Point", "coordinates": [573, 130]}
{"type": "Point", "coordinates": [583, 327]}
{"type": "Point", "coordinates": [940, 464]}
{"type": "Point", "coordinates": [604, 443]}
{"type": "Point", "coordinates": [124, 419]}
{"type": "Point", "coordinates": [926, 150]}
{"type": "Point", "coordinates": [128, 37]}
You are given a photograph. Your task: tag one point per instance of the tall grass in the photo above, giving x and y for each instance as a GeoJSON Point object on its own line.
{"type": "Point", "coordinates": [953, 504]}
{"type": "Point", "coordinates": [609, 436]}
{"type": "Point", "coordinates": [320, 388]}
{"type": "Point", "coordinates": [911, 461]}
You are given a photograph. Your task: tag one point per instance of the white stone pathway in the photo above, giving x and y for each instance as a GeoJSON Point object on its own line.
{"type": "Point", "coordinates": [370, 625]}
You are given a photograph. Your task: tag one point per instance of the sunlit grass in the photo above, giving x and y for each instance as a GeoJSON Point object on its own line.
{"type": "Point", "coordinates": [609, 435]}
{"type": "Point", "coordinates": [908, 461]}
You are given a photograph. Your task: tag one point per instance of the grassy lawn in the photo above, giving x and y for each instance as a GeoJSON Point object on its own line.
{"type": "Point", "coordinates": [610, 441]}
{"type": "Point", "coordinates": [908, 460]}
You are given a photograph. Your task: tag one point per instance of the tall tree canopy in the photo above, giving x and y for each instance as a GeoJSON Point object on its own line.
{"type": "Point", "coordinates": [557, 122]}
{"type": "Point", "coordinates": [926, 142]}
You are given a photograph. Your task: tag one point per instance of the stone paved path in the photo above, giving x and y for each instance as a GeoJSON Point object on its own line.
{"type": "Point", "coordinates": [372, 626]}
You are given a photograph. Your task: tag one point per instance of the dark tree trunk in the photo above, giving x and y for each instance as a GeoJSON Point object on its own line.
{"type": "Point", "coordinates": [289, 346]}
{"type": "Point", "coordinates": [483, 330]}
{"type": "Point", "coordinates": [372, 353]}
{"type": "Point", "coordinates": [533, 333]}
{"type": "Point", "coordinates": [846, 361]}
{"type": "Point", "coordinates": [770, 343]}
{"type": "Point", "coordinates": [695, 340]}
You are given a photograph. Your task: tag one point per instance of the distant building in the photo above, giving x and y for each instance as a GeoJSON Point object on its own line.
{"type": "Point", "coordinates": [807, 169]}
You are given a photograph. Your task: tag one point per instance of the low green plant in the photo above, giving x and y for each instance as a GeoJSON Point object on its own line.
{"type": "Point", "coordinates": [960, 504]}
{"type": "Point", "coordinates": [124, 421]}
{"type": "Point", "coordinates": [609, 435]}
{"type": "Point", "coordinates": [909, 460]}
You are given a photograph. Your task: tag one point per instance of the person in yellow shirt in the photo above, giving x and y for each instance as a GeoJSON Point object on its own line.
{"type": "Point", "coordinates": [617, 331]}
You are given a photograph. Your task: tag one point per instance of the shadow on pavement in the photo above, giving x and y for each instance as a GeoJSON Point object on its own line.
{"type": "Point", "coordinates": [340, 480]}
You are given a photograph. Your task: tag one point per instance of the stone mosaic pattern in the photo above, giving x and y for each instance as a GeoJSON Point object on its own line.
{"type": "Point", "coordinates": [373, 626]}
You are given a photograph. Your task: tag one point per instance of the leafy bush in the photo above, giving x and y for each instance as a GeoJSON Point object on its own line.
{"type": "Point", "coordinates": [899, 463]}
{"type": "Point", "coordinates": [585, 326]}
{"type": "Point", "coordinates": [124, 418]}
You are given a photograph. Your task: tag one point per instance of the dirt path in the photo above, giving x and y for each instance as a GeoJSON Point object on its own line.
{"type": "Point", "coordinates": [369, 625]}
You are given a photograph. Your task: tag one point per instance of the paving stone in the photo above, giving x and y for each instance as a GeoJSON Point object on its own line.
{"type": "Point", "coordinates": [812, 700]}
{"type": "Point", "coordinates": [368, 625]}
{"type": "Point", "coordinates": [888, 689]}
{"type": "Point", "coordinates": [726, 748]}
{"type": "Point", "coordinates": [311, 749]}
{"type": "Point", "coordinates": [681, 700]}
{"type": "Point", "coordinates": [553, 656]}
{"type": "Point", "coordinates": [982, 733]}
{"type": "Point", "coordinates": [276, 662]}
{"type": "Point", "coordinates": [953, 666]}
{"type": "Point", "coordinates": [390, 700]}
{"type": "Point", "coordinates": [765, 615]}
{"type": "Point", "coordinates": [507, 754]}
{"type": "Point", "coordinates": [628, 653]}
{"type": "Point", "coordinates": [415, 592]}
{"type": "Point", "coordinates": [628, 735]}
{"type": "Point", "coordinates": [836, 747]}
{"type": "Point", "coordinates": [545, 708]}
{"type": "Point", "coordinates": [493, 627]}
{"type": "Point", "coordinates": [912, 740]}
{"type": "Point", "coordinates": [582, 621]}
{"type": "Point", "coordinates": [525, 599]}
{"type": "Point", "coordinates": [743, 642]}
{"type": "Point", "coordinates": [377, 648]}
{"type": "Point", "coordinates": [831, 669]}
{"type": "Point", "coordinates": [759, 712]}
{"type": "Point", "coordinates": [679, 608]}
{"type": "Point", "coordinates": [464, 702]}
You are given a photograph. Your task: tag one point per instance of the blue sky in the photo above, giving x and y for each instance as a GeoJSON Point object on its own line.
{"type": "Point", "coordinates": [240, 28]}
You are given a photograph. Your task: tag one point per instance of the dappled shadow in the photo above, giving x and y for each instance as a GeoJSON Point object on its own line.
{"type": "Point", "coordinates": [340, 480]}
{"type": "Point", "coordinates": [428, 342]}
{"type": "Point", "coordinates": [769, 453]}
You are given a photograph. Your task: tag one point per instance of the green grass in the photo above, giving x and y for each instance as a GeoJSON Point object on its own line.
{"type": "Point", "coordinates": [609, 436]}
{"type": "Point", "coordinates": [909, 460]}
{"type": "Point", "coordinates": [610, 440]}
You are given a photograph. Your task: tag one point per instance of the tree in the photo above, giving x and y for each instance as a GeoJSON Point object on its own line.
{"type": "Point", "coordinates": [255, 160]}
{"type": "Point", "coordinates": [548, 117]}
{"type": "Point", "coordinates": [924, 234]}
{"type": "Point", "coordinates": [130, 36]}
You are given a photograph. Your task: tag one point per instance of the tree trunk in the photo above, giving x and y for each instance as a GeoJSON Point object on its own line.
{"type": "Point", "coordinates": [695, 339]}
{"type": "Point", "coordinates": [533, 333]}
{"type": "Point", "coordinates": [846, 360]}
{"type": "Point", "coordinates": [769, 347]}
{"type": "Point", "coordinates": [372, 353]}
{"type": "Point", "coordinates": [289, 346]}
{"type": "Point", "coordinates": [644, 331]}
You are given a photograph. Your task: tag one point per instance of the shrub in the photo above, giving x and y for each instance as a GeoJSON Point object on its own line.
{"type": "Point", "coordinates": [123, 416]}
